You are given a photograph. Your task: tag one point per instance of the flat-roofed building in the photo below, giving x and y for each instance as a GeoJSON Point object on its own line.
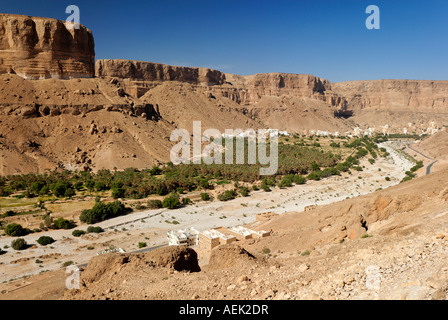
{"type": "Point", "coordinates": [241, 233]}
{"type": "Point", "coordinates": [245, 233]}
{"type": "Point", "coordinates": [210, 239]}
{"type": "Point", "coordinates": [183, 237]}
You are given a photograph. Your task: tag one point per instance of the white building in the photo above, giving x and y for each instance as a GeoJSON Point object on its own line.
{"type": "Point", "coordinates": [183, 237]}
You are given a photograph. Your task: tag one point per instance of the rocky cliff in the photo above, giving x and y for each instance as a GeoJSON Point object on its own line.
{"type": "Point", "coordinates": [148, 71]}
{"type": "Point", "coordinates": [414, 105]}
{"type": "Point", "coordinates": [42, 48]}
{"type": "Point", "coordinates": [394, 94]}
{"type": "Point", "coordinates": [138, 77]}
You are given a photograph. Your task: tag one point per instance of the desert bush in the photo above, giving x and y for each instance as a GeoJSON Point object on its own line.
{"type": "Point", "coordinates": [171, 202]}
{"type": "Point", "coordinates": [78, 233]}
{"type": "Point", "coordinates": [186, 201]}
{"type": "Point", "coordinates": [102, 211]}
{"type": "Point", "coordinates": [154, 204]}
{"type": "Point", "coordinates": [100, 186]}
{"type": "Point", "coordinates": [15, 230]}
{"type": "Point", "coordinates": [69, 193]}
{"type": "Point", "coordinates": [62, 223]}
{"type": "Point", "coordinates": [142, 245]}
{"type": "Point", "coordinates": [92, 229]}
{"type": "Point", "coordinates": [266, 250]}
{"type": "Point", "coordinates": [227, 195]}
{"type": "Point", "coordinates": [19, 244]}
{"type": "Point", "coordinates": [45, 240]}
{"type": "Point", "coordinates": [299, 179]}
{"type": "Point", "coordinates": [60, 188]}
{"type": "Point", "coordinates": [155, 171]}
{"type": "Point", "coordinates": [244, 191]}
{"type": "Point", "coordinates": [316, 175]}
{"type": "Point", "coordinates": [205, 196]}
{"type": "Point", "coordinates": [118, 193]}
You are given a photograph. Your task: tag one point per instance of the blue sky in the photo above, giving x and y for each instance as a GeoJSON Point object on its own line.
{"type": "Point", "coordinates": [323, 38]}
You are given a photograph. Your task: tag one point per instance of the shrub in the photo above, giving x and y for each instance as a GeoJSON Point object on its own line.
{"type": "Point", "coordinates": [19, 244]}
{"type": "Point", "coordinates": [171, 202]}
{"type": "Point", "coordinates": [205, 196]}
{"type": "Point", "coordinates": [78, 233]}
{"type": "Point", "coordinates": [265, 187]}
{"type": "Point", "coordinates": [314, 175]}
{"type": "Point", "coordinates": [100, 186]}
{"type": "Point", "coordinates": [266, 250]}
{"type": "Point", "coordinates": [305, 253]}
{"type": "Point", "coordinates": [67, 264]}
{"type": "Point", "coordinates": [286, 182]}
{"type": "Point", "coordinates": [69, 193]}
{"type": "Point", "coordinates": [298, 179]}
{"type": "Point", "coordinates": [45, 240]}
{"type": "Point", "coordinates": [8, 213]}
{"type": "Point", "coordinates": [44, 191]}
{"type": "Point", "coordinates": [93, 229]}
{"type": "Point", "coordinates": [417, 166]}
{"type": "Point", "coordinates": [14, 230]}
{"type": "Point", "coordinates": [204, 184]}
{"type": "Point", "coordinates": [59, 188]}
{"type": "Point", "coordinates": [102, 211]}
{"type": "Point", "coordinates": [90, 184]}
{"type": "Point", "coordinates": [227, 195]}
{"type": "Point", "coordinates": [155, 171]}
{"type": "Point", "coordinates": [118, 193]}
{"type": "Point", "coordinates": [244, 192]}
{"type": "Point", "coordinates": [154, 204]}
{"type": "Point", "coordinates": [78, 185]}
{"type": "Point", "coordinates": [142, 244]}
{"type": "Point", "coordinates": [186, 201]}
{"type": "Point", "coordinates": [62, 223]}
{"type": "Point", "coordinates": [162, 190]}
{"type": "Point", "coordinates": [36, 187]}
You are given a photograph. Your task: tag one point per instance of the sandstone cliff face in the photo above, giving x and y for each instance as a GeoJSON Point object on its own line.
{"type": "Point", "coordinates": [411, 105]}
{"type": "Point", "coordinates": [148, 71]}
{"type": "Point", "coordinates": [394, 95]}
{"type": "Point", "coordinates": [251, 89]}
{"type": "Point", "coordinates": [41, 48]}
{"type": "Point", "coordinates": [138, 77]}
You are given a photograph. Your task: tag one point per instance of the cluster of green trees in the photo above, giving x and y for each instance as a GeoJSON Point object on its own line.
{"type": "Point", "coordinates": [297, 163]}
{"type": "Point", "coordinates": [103, 211]}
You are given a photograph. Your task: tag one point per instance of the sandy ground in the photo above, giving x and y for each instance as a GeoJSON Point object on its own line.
{"type": "Point", "coordinates": [151, 226]}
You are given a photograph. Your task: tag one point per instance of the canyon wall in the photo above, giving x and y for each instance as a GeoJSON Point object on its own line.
{"type": "Point", "coordinates": [42, 48]}
{"type": "Point", "coordinates": [412, 106]}
{"type": "Point", "coordinates": [394, 95]}
{"type": "Point", "coordinates": [139, 77]}
{"type": "Point", "coordinates": [148, 71]}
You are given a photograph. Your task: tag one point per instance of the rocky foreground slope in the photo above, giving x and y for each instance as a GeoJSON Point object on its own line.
{"type": "Point", "coordinates": [387, 245]}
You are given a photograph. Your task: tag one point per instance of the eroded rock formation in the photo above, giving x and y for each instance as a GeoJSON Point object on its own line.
{"type": "Point", "coordinates": [42, 48]}
{"type": "Point", "coordinates": [148, 71]}
{"type": "Point", "coordinates": [138, 77]}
